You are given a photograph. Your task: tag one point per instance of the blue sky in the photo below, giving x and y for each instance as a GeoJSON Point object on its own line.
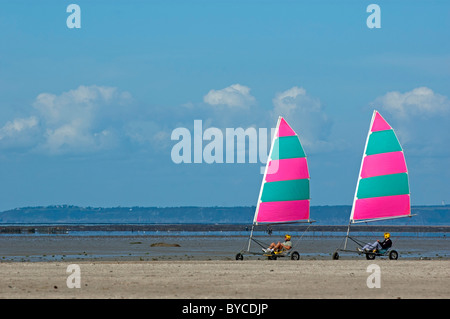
{"type": "Point", "coordinates": [86, 115]}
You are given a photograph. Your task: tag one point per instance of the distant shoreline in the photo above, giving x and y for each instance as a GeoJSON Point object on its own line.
{"type": "Point", "coordinates": [65, 228]}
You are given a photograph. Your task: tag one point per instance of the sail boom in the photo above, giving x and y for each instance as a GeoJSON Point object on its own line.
{"type": "Point", "coordinates": [379, 219]}
{"type": "Point", "coordinates": [303, 221]}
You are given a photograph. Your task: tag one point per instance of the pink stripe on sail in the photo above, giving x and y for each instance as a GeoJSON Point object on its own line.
{"type": "Point", "coordinates": [383, 164]}
{"type": "Point", "coordinates": [287, 169]}
{"type": "Point", "coordinates": [380, 207]}
{"type": "Point", "coordinates": [380, 124]}
{"type": "Point", "coordinates": [276, 212]}
{"type": "Point", "coordinates": [284, 129]}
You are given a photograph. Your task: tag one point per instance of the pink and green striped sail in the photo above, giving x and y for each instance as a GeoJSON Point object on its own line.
{"type": "Point", "coordinates": [284, 195]}
{"type": "Point", "coordinates": [383, 186]}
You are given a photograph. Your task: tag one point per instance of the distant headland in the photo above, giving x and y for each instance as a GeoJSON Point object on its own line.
{"type": "Point", "coordinates": [438, 215]}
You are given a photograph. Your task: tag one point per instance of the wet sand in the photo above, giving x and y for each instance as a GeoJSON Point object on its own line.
{"type": "Point", "coordinates": [220, 279]}
{"type": "Point", "coordinates": [141, 248]}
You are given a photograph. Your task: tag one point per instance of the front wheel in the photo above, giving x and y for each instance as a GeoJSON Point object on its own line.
{"type": "Point", "coordinates": [239, 256]}
{"type": "Point", "coordinates": [295, 255]}
{"type": "Point", "coordinates": [335, 256]}
{"type": "Point", "coordinates": [393, 255]}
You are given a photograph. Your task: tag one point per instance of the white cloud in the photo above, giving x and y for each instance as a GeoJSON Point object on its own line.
{"type": "Point", "coordinates": [235, 95]}
{"type": "Point", "coordinates": [19, 133]}
{"type": "Point", "coordinates": [305, 114]}
{"type": "Point", "coordinates": [420, 118]}
{"type": "Point", "coordinates": [78, 120]}
{"type": "Point", "coordinates": [285, 102]}
{"type": "Point", "coordinates": [18, 125]}
{"type": "Point", "coordinates": [81, 103]}
{"type": "Point", "coordinates": [419, 101]}
{"type": "Point", "coordinates": [145, 132]}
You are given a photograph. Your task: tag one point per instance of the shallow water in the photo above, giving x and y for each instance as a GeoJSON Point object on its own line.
{"type": "Point", "coordinates": [206, 246]}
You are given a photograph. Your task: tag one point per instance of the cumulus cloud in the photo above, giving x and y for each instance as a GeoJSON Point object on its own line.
{"type": "Point", "coordinates": [419, 101]}
{"type": "Point", "coordinates": [20, 132]}
{"type": "Point", "coordinates": [17, 126]}
{"type": "Point", "coordinates": [78, 120]}
{"type": "Point", "coordinates": [148, 131]}
{"type": "Point", "coordinates": [235, 95]}
{"type": "Point", "coordinates": [306, 115]}
{"type": "Point", "coordinates": [421, 117]}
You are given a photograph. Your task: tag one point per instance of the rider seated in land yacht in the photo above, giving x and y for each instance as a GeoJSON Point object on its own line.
{"type": "Point", "coordinates": [286, 245]}
{"type": "Point", "coordinates": [376, 246]}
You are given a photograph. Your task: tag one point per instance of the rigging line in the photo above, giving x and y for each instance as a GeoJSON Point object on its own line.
{"type": "Point", "coordinates": [342, 242]}
{"type": "Point", "coordinates": [298, 240]}
{"type": "Point", "coordinates": [373, 234]}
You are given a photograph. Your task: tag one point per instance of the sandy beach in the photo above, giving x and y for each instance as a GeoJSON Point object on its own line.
{"type": "Point", "coordinates": [133, 267]}
{"type": "Point", "coordinates": [219, 279]}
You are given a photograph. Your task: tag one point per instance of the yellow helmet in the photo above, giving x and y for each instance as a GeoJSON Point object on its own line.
{"type": "Point", "coordinates": [387, 235]}
{"type": "Point", "coordinates": [288, 237]}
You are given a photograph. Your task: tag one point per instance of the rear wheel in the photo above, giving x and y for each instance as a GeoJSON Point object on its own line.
{"type": "Point", "coordinates": [335, 256]}
{"type": "Point", "coordinates": [370, 256]}
{"type": "Point", "coordinates": [295, 255]}
{"type": "Point", "coordinates": [239, 256]}
{"type": "Point", "coordinates": [393, 255]}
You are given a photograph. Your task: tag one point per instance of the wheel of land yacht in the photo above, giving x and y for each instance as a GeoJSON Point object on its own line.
{"type": "Point", "coordinates": [335, 255]}
{"type": "Point", "coordinates": [370, 256]}
{"type": "Point", "coordinates": [393, 255]}
{"type": "Point", "coordinates": [295, 255]}
{"type": "Point", "coordinates": [239, 256]}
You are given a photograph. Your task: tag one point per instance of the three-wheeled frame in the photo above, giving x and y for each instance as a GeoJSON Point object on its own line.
{"type": "Point", "coordinates": [370, 255]}
{"type": "Point", "coordinates": [291, 253]}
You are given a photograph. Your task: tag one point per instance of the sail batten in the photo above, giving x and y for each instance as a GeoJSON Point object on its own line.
{"type": "Point", "coordinates": [285, 192]}
{"type": "Point", "coordinates": [382, 190]}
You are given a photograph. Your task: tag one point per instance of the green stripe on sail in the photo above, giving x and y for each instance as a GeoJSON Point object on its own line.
{"type": "Point", "coordinates": [296, 189]}
{"type": "Point", "coordinates": [382, 142]}
{"type": "Point", "coordinates": [384, 185]}
{"type": "Point", "coordinates": [287, 147]}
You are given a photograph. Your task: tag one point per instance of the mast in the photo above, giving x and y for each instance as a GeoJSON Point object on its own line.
{"type": "Point", "coordinates": [265, 171]}
{"type": "Point", "coordinates": [360, 170]}
{"type": "Point", "coordinates": [359, 178]}
{"type": "Point", "coordinates": [262, 183]}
